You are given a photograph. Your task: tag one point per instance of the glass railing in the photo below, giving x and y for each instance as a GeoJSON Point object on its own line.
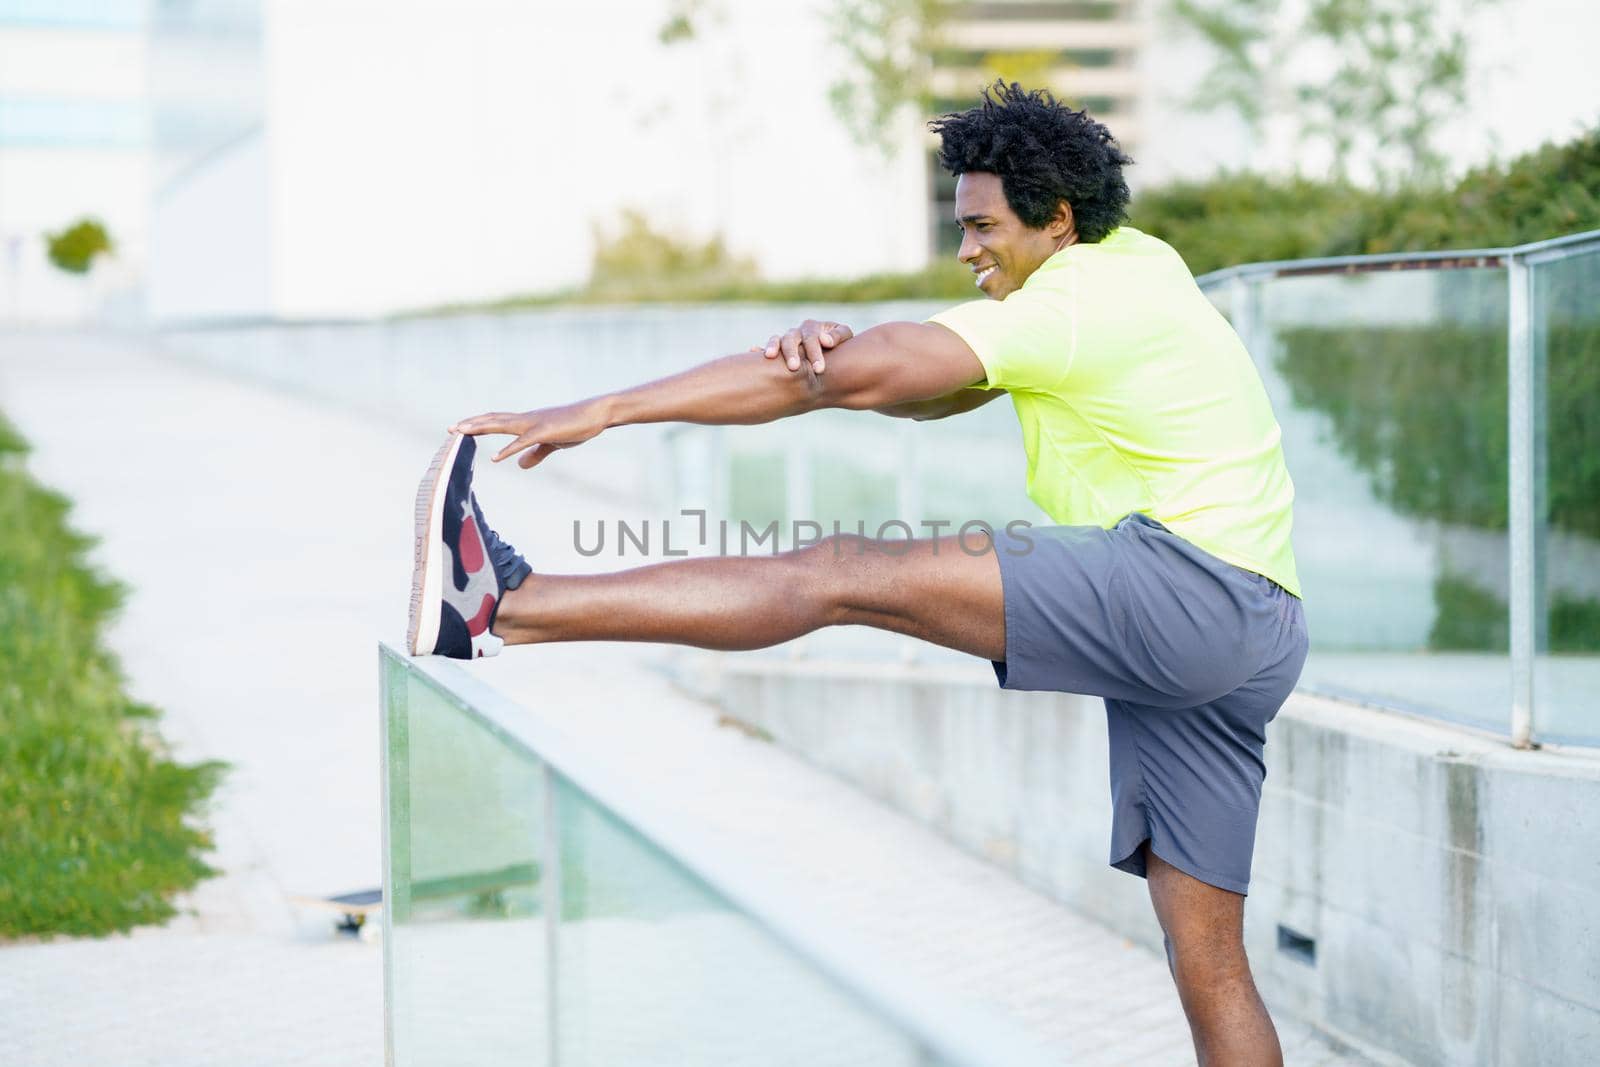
{"type": "Point", "coordinates": [1390, 387]}
{"type": "Point", "coordinates": [769, 488]}
{"type": "Point", "coordinates": [1561, 505]}
{"type": "Point", "coordinates": [1441, 421]}
{"type": "Point", "coordinates": [1441, 418]}
{"type": "Point", "coordinates": [542, 912]}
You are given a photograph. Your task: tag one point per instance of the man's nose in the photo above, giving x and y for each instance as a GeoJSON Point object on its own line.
{"type": "Point", "coordinates": [968, 252]}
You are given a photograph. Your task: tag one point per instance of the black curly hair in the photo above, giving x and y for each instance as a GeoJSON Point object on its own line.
{"type": "Point", "coordinates": [1044, 152]}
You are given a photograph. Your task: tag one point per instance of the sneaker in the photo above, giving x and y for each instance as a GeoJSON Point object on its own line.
{"type": "Point", "coordinates": [462, 567]}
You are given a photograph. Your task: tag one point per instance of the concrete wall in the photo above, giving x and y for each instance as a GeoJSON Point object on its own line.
{"type": "Point", "coordinates": [1451, 885]}
{"type": "Point", "coordinates": [431, 371]}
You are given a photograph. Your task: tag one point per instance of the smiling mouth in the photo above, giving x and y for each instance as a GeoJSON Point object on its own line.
{"type": "Point", "coordinates": [984, 274]}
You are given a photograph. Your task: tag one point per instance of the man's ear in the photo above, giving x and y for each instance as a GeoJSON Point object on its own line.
{"type": "Point", "coordinates": [1062, 222]}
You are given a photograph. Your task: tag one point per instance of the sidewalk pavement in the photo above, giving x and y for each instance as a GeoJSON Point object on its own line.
{"type": "Point", "coordinates": [266, 540]}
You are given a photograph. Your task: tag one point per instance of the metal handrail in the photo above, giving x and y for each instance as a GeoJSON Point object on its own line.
{"type": "Point", "coordinates": [954, 1030]}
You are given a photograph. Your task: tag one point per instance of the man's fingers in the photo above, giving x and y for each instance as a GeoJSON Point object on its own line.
{"type": "Point", "coordinates": [813, 350]}
{"type": "Point", "coordinates": [790, 344]}
{"type": "Point", "coordinates": [535, 456]}
{"type": "Point", "coordinates": [807, 343]}
{"type": "Point", "coordinates": [479, 424]}
{"type": "Point", "coordinates": [525, 440]}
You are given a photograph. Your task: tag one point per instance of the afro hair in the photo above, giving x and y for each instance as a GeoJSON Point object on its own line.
{"type": "Point", "coordinates": [1044, 152]}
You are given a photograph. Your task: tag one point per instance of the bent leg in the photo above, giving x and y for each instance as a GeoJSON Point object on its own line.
{"type": "Point", "coordinates": [1204, 926]}
{"type": "Point", "coordinates": [941, 590]}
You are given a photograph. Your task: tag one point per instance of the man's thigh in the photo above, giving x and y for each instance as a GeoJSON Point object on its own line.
{"type": "Point", "coordinates": [945, 590]}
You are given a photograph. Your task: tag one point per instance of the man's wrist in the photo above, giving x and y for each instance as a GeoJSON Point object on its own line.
{"type": "Point", "coordinates": [606, 411]}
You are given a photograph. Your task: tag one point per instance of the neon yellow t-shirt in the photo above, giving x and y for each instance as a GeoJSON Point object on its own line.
{"type": "Point", "coordinates": [1135, 394]}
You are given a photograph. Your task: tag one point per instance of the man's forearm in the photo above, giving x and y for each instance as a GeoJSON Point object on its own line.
{"type": "Point", "coordinates": [742, 389]}
{"type": "Point", "coordinates": [896, 363]}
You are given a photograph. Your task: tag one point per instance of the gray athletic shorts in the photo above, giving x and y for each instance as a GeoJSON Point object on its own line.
{"type": "Point", "coordinates": [1193, 656]}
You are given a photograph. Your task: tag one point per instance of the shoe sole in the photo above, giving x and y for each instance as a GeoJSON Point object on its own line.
{"type": "Point", "coordinates": [427, 573]}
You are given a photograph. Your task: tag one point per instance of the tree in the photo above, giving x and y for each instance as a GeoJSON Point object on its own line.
{"type": "Point", "coordinates": [888, 45]}
{"type": "Point", "coordinates": [1367, 80]}
{"type": "Point", "coordinates": [75, 248]}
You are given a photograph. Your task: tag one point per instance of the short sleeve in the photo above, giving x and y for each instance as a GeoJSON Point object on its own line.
{"type": "Point", "coordinates": [1024, 342]}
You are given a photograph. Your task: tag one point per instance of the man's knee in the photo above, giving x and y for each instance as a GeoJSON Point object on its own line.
{"type": "Point", "coordinates": [1203, 926]}
{"type": "Point", "coordinates": [828, 557]}
{"type": "Point", "coordinates": [821, 573]}
{"type": "Point", "coordinates": [1206, 959]}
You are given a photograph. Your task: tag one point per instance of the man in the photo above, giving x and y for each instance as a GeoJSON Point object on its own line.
{"type": "Point", "coordinates": [1169, 589]}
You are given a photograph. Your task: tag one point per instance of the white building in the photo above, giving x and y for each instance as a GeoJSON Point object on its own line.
{"type": "Point", "coordinates": [331, 158]}
{"type": "Point", "coordinates": [409, 155]}
{"type": "Point", "coordinates": [73, 145]}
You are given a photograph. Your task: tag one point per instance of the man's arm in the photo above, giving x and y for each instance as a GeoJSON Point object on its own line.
{"type": "Point", "coordinates": [892, 364]}
{"type": "Point", "coordinates": [957, 403]}
{"type": "Point", "coordinates": [806, 344]}
{"type": "Point", "coordinates": [896, 363]}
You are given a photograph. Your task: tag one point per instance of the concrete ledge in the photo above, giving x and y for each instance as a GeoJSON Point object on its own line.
{"type": "Point", "coordinates": [1417, 887]}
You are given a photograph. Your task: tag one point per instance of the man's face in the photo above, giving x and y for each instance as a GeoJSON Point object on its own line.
{"type": "Point", "coordinates": [995, 243]}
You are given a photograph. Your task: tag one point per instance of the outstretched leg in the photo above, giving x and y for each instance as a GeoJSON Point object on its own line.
{"type": "Point", "coordinates": [944, 590]}
{"type": "Point", "coordinates": [1204, 927]}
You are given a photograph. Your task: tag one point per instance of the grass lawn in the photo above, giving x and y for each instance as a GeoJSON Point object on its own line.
{"type": "Point", "coordinates": [97, 825]}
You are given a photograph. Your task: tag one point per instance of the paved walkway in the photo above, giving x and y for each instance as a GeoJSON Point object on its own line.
{"type": "Point", "coordinates": [267, 543]}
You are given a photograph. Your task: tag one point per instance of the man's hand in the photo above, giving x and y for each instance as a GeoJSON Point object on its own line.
{"type": "Point", "coordinates": [806, 341]}
{"type": "Point", "coordinates": [540, 432]}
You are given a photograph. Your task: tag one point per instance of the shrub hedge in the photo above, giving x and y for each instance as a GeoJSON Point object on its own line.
{"type": "Point", "coordinates": [97, 825]}
{"type": "Point", "coordinates": [1247, 218]}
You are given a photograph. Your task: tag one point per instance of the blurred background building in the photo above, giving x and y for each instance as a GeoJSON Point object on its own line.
{"type": "Point", "coordinates": [213, 250]}
{"type": "Point", "coordinates": [1087, 53]}
{"type": "Point", "coordinates": [74, 143]}
{"type": "Point", "coordinates": [288, 159]}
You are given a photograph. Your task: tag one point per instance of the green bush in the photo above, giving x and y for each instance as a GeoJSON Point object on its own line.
{"type": "Point", "coordinates": [94, 836]}
{"type": "Point", "coordinates": [75, 248]}
{"type": "Point", "coordinates": [1470, 619]}
{"type": "Point", "coordinates": [1421, 409]}
{"type": "Point", "coordinates": [1547, 193]}
{"type": "Point", "coordinates": [1467, 618]}
{"type": "Point", "coordinates": [637, 261]}
{"type": "Point", "coordinates": [1246, 218]}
